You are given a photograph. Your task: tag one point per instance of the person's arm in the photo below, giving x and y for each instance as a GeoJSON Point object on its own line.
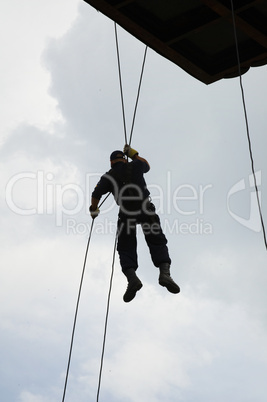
{"type": "Point", "coordinates": [94, 204]}
{"type": "Point", "coordinates": [94, 210]}
{"type": "Point", "coordinates": [136, 156]}
{"type": "Point", "coordinates": [99, 190]}
{"type": "Point", "coordinates": [133, 154]}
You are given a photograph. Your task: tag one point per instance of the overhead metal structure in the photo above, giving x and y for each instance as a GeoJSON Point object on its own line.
{"type": "Point", "coordinates": [197, 35]}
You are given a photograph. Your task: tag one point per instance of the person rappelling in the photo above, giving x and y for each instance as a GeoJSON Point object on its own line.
{"type": "Point", "coordinates": [125, 180]}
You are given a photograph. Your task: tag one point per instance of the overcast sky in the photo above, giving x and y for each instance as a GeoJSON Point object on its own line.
{"type": "Point", "coordinates": [60, 120]}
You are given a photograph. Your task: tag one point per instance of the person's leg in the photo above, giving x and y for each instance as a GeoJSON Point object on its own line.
{"type": "Point", "coordinates": [126, 247]}
{"type": "Point", "coordinates": [127, 244]}
{"type": "Point", "coordinates": [155, 239]}
{"type": "Point", "coordinates": [157, 243]}
{"type": "Point", "coordinates": [165, 278]}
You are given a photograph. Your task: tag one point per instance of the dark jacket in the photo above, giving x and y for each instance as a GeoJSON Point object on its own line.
{"type": "Point", "coordinates": [126, 182]}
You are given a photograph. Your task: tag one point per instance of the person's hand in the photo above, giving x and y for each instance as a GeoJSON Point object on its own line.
{"type": "Point", "coordinates": [94, 213]}
{"type": "Point", "coordinates": [129, 151]}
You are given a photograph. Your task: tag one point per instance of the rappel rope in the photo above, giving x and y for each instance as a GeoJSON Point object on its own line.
{"type": "Point", "coordinates": [247, 126]}
{"type": "Point", "coordinates": [138, 93]}
{"type": "Point", "coordinates": [77, 305]}
{"type": "Point", "coordinates": [120, 81]}
{"type": "Point", "coordinates": [116, 237]}
{"type": "Point", "coordinates": [76, 312]}
{"type": "Point", "coordinates": [121, 89]}
{"type": "Point", "coordinates": [106, 319]}
{"type": "Point", "coordinates": [125, 135]}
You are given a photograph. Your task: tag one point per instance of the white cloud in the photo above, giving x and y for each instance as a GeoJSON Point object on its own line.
{"type": "Point", "coordinates": [24, 81]}
{"type": "Point", "coordinates": [203, 344]}
{"type": "Point", "coordinates": [30, 397]}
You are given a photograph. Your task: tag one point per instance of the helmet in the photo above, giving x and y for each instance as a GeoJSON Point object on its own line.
{"type": "Point", "coordinates": [116, 155]}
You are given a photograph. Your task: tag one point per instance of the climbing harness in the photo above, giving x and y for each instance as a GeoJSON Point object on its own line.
{"type": "Point", "coordinates": [247, 126]}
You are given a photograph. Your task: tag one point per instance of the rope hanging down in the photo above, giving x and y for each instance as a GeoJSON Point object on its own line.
{"type": "Point", "coordinates": [125, 135]}
{"type": "Point", "coordinates": [121, 90]}
{"type": "Point", "coordinates": [77, 305]}
{"type": "Point", "coordinates": [76, 312]}
{"type": "Point", "coordinates": [106, 319]}
{"type": "Point", "coordinates": [114, 251]}
{"type": "Point", "coordinates": [138, 93]}
{"type": "Point", "coordinates": [116, 238]}
{"type": "Point", "coordinates": [247, 126]}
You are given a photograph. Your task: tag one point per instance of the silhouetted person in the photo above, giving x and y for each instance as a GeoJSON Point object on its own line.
{"type": "Point", "coordinates": [125, 180]}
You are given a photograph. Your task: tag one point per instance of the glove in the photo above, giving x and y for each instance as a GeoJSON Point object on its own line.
{"type": "Point", "coordinates": [94, 213]}
{"type": "Point", "coordinates": [129, 151]}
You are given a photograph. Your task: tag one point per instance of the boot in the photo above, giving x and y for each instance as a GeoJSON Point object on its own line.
{"type": "Point", "coordinates": [165, 278]}
{"type": "Point", "coordinates": [134, 284]}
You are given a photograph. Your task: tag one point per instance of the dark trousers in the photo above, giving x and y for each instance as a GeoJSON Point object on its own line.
{"type": "Point", "coordinates": [155, 238]}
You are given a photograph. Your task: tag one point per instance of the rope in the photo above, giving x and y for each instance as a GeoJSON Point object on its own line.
{"type": "Point", "coordinates": [78, 302]}
{"type": "Point", "coordinates": [106, 319]}
{"type": "Point", "coordinates": [116, 238]}
{"type": "Point", "coordinates": [76, 311]}
{"type": "Point", "coordinates": [121, 91]}
{"type": "Point", "coordinates": [247, 127]}
{"type": "Point", "coordinates": [125, 135]}
{"type": "Point", "coordinates": [104, 200]}
{"type": "Point", "coordinates": [138, 93]}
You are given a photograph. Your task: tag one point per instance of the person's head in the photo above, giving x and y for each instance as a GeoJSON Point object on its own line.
{"type": "Point", "coordinates": [117, 156]}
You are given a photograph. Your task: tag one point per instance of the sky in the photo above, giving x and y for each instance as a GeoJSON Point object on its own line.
{"type": "Point", "coordinates": [60, 120]}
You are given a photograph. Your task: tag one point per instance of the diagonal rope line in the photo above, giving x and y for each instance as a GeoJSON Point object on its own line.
{"type": "Point", "coordinates": [76, 312]}
{"type": "Point", "coordinates": [247, 126]}
{"type": "Point", "coordinates": [106, 319]}
{"type": "Point", "coordinates": [120, 80]}
{"type": "Point", "coordinates": [138, 94]}
{"type": "Point", "coordinates": [121, 89]}
{"type": "Point", "coordinates": [104, 200]}
{"type": "Point", "coordinates": [116, 238]}
{"type": "Point", "coordinates": [77, 305]}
